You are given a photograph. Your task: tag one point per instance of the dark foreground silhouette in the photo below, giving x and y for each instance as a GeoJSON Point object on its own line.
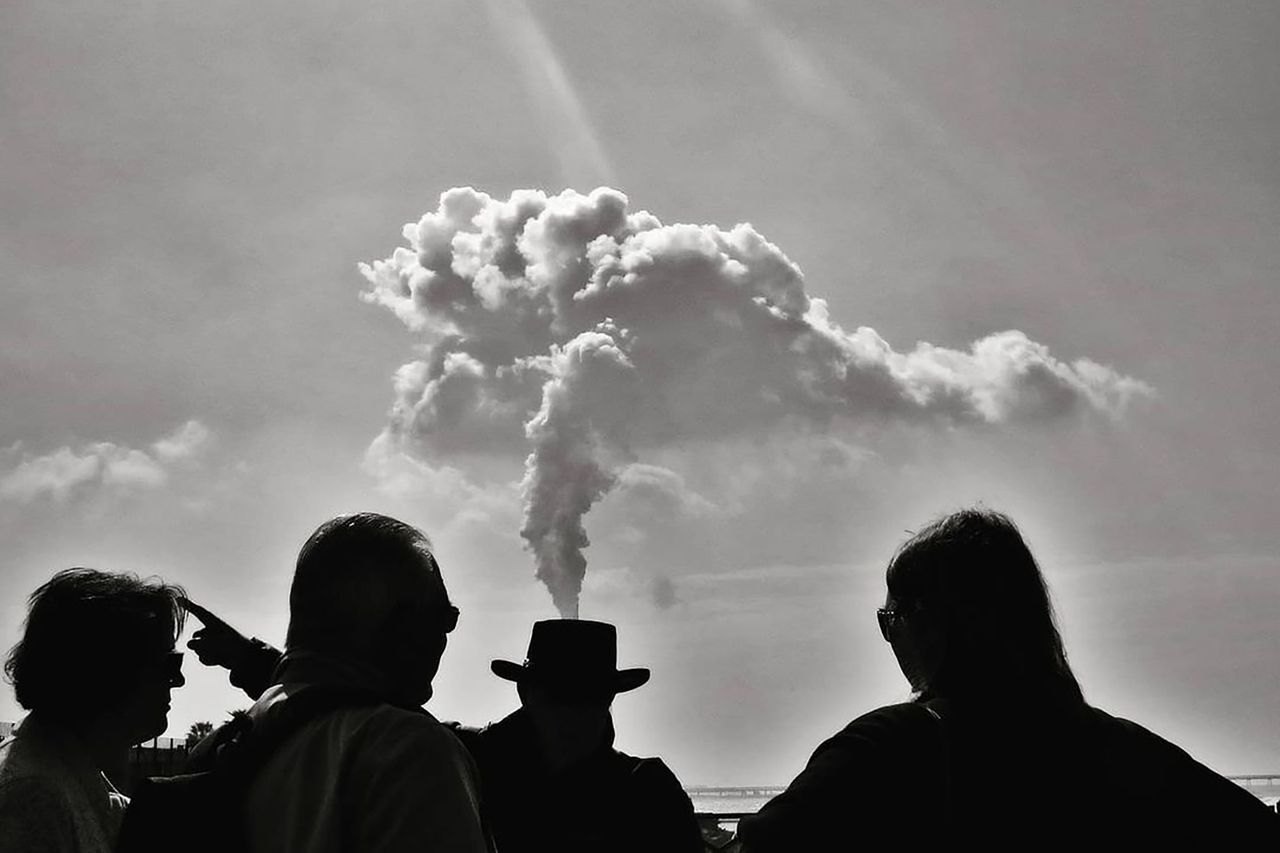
{"type": "Point", "coordinates": [337, 753]}
{"type": "Point", "coordinates": [95, 667]}
{"type": "Point", "coordinates": [550, 777]}
{"type": "Point", "coordinates": [999, 725]}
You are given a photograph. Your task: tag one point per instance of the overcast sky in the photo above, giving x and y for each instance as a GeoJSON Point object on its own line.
{"type": "Point", "coordinates": [192, 381]}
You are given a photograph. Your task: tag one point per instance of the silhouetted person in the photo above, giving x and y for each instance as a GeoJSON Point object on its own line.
{"type": "Point", "coordinates": [552, 779]}
{"type": "Point", "coordinates": [95, 667]}
{"type": "Point", "coordinates": [998, 748]}
{"type": "Point", "coordinates": [368, 611]}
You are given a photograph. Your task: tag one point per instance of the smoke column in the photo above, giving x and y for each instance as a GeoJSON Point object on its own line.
{"type": "Point", "coordinates": [577, 333]}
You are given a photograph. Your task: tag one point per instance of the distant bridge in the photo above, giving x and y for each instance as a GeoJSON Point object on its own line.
{"type": "Point", "coordinates": [741, 792]}
{"type": "Point", "coordinates": [1251, 782]}
{"type": "Point", "coordinates": [1257, 780]}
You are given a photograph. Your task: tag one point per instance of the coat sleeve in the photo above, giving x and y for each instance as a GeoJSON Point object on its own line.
{"type": "Point", "coordinates": [670, 824]}
{"type": "Point", "coordinates": [252, 673]}
{"type": "Point", "coordinates": [847, 772]}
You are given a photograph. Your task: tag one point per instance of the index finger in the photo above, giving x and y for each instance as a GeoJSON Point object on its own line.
{"type": "Point", "coordinates": [199, 612]}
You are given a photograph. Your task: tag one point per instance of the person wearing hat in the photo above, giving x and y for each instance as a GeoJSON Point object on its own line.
{"type": "Point", "coordinates": [551, 777]}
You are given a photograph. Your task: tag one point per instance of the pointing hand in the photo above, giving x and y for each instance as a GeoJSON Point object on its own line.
{"type": "Point", "coordinates": [216, 643]}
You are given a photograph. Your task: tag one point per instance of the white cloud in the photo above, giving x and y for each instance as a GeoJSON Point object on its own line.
{"type": "Point", "coordinates": [125, 468]}
{"type": "Point", "coordinates": [187, 441]}
{"type": "Point", "coordinates": [662, 491]}
{"type": "Point", "coordinates": [56, 474]}
{"type": "Point", "coordinates": [624, 584]}
{"type": "Point", "coordinates": [67, 472]}
{"type": "Point", "coordinates": [581, 335]}
{"type": "Point", "coordinates": [402, 476]}
{"type": "Point", "coordinates": [440, 491]}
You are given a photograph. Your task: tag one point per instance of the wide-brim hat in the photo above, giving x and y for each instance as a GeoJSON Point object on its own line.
{"type": "Point", "coordinates": [573, 656]}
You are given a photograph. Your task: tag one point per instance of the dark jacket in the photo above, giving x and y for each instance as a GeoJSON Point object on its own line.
{"type": "Point", "coordinates": [1009, 776]}
{"type": "Point", "coordinates": [609, 801]}
{"type": "Point", "coordinates": [633, 804]}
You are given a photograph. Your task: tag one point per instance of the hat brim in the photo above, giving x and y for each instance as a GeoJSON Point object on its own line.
{"type": "Point", "coordinates": [623, 679]}
{"type": "Point", "coordinates": [630, 679]}
{"type": "Point", "coordinates": [507, 670]}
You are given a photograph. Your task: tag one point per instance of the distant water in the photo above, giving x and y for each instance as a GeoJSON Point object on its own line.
{"type": "Point", "coordinates": [702, 803]}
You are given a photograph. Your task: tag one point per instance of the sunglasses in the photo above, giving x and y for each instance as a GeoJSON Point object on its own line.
{"type": "Point", "coordinates": [419, 621]}
{"type": "Point", "coordinates": [888, 619]}
{"type": "Point", "coordinates": [169, 664]}
{"type": "Point", "coordinates": [449, 619]}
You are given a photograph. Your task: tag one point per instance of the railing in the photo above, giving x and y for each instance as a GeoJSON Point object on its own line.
{"type": "Point", "coordinates": [163, 756]}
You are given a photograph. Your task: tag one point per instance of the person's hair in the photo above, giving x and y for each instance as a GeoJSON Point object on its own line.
{"type": "Point", "coordinates": [971, 575]}
{"type": "Point", "coordinates": [353, 574]}
{"type": "Point", "coordinates": [87, 636]}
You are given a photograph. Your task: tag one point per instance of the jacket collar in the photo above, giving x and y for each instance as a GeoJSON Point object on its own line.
{"type": "Point", "coordinates": [302, 668]}
{"type": "Point", "coordinates": [516, 733]}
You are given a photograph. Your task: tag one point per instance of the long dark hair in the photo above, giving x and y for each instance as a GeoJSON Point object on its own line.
{"type": "Point", "coordinates": [971, 575]}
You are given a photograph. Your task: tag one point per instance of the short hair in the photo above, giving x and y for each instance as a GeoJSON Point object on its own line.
{"type": "Point", "coordinates": [971, 574]}
{"type": "Point", "coordinates": [351, 573]}
{"type": "Point", "coordinates": [87, 635]}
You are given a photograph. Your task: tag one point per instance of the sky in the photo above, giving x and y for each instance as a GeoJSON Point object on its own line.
{"type": "Point", "coordinates": [742, 292]}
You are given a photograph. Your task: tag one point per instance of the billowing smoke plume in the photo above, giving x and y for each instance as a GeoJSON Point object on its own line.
{"type": "Point", "coordinates": [573, 331]}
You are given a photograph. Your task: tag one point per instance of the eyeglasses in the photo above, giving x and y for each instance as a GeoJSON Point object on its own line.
{"type": "Point", "coordinates": [169, 665]}
{"type": "Point", "coordinates": [421, 621]}
{"type": "Point", "coordinates": [449, 619]}
{"type": "Point", "coordinates": [888, 619]}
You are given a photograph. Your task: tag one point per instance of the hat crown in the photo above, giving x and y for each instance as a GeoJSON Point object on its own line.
{"type": "Point", "coordinates": [578, 647]}
{"type": "Point", "coordinates": [573, 657]}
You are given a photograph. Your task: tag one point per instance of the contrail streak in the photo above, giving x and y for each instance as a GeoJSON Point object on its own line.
{"type": "Point", "coordinates": [863, 109]}
{"type": "Point", "coordinates": [573, 137]}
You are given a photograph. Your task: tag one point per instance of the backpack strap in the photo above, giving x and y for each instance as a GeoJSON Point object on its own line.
{"type": "Point", "coordinates": [938, 711]}
{"type": "Point", "coordinates": [248, 748]}
{"type": "Point", "coordinates": [202, 807]}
